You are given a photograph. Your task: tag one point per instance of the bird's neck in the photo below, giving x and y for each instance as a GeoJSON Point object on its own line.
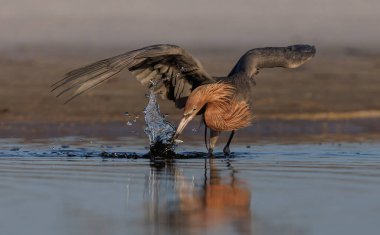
{"type": "Point", "coordinates": [223, 112]}
{"type": "Point", "coordinates": [215, 94]}
{"type": "Point", "coordinates": [227, 116]}
{"type": "Point", "coordinates": [212, 95]}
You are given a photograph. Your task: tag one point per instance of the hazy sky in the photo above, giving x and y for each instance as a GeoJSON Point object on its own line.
{"type": "Point", "coordinates": [195, 22]}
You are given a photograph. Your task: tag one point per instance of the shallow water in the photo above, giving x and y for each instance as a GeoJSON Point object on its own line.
{"type": "Point", "coordinates": [64, 186]}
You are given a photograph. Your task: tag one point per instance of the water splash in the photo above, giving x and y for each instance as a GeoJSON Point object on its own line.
{"type": "Point", "coordinates": [158, 129]}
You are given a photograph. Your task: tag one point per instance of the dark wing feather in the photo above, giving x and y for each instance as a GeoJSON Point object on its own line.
{"type": "Point", "coordinates": [270, 57]}
{"type": "Point", "coordinates": [175, 72]}
{"type": "Point", "coordinates": [243, 73]}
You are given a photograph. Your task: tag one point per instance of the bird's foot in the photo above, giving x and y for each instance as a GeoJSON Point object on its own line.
{"type": "Point", "coordinates": [226, 151]}
{"type": "Point", "coordinates": [210, 152]}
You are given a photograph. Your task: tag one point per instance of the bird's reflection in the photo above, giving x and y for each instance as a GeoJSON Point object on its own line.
{"type": "Point", "coordinates": [177, 201]}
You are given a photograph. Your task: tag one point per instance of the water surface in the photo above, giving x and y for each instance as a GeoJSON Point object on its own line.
{"type": "Point", "coordinates": [64, 186]}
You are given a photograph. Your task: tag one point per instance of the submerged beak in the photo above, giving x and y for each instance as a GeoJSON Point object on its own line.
{"type": "Point", "coordinates": [182, 125]}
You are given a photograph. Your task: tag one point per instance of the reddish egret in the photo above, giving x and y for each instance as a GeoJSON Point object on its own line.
{"type": "Point", "coordinates": [224, 102]}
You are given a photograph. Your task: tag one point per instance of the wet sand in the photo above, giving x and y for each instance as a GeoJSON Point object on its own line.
{"type": "Point", "coordinates": [337, 86]}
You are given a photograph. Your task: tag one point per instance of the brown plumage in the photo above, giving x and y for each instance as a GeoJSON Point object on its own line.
{"type": "Point", "coordinates": [224, 112]}
{"type": "Point", "coordinates": [225, 102]}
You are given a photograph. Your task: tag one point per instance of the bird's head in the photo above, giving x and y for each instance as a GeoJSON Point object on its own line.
{"type": "Point", "coordinates": [217, 92]}
{"type": "Point", "coordinates": [297, 55]}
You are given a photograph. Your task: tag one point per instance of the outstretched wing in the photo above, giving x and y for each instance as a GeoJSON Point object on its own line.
{"type": "Point", "coordinates": [270, 57]}
{"type": "Point", "coordinates": [174, 72]}
{"type": "Point", "coordinates": [243, 73]}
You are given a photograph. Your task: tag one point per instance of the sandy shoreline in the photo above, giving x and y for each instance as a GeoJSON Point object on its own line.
{"type": "Point", "coordinates": [284, 131]}
{"type": "Point", "coordinates": [341, 87]}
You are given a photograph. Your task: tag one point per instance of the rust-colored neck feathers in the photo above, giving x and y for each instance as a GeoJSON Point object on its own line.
{"type": "Point", "coordinates": [220, 93]}
{"type": "Point", "coordinates": [223, 111]}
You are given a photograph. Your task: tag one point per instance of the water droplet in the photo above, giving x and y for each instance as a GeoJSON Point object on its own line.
{"type": "Point", "coordinates": [126, 113]}
{"type": "Point", "coordinates": [129, 123]}
{"type": "Point", "coordinates": [194, 130]}
{"type": "Point", "coordinates": [177, 141]}
{"type": "Point", "coordinates": [146, 95]}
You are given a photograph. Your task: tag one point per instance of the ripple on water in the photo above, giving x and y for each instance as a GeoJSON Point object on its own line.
{"type": "Point", "coordinates": [264, 189]}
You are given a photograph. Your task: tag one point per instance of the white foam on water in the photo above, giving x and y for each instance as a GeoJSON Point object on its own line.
{"type": "Point", "coordinates": [158, 129]}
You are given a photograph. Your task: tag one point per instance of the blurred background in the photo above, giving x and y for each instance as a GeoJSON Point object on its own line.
{"type": "Point", "coordinates": [216, 23]}
{"type": "Point", "coordinates": [42, 40]}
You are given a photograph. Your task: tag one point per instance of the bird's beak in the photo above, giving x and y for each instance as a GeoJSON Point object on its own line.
{"type": "Point", "coordinates": [182, 125]}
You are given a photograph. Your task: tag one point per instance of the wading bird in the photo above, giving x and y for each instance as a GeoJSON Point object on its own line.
{"type": "Point", "coordinates": [224, 102]}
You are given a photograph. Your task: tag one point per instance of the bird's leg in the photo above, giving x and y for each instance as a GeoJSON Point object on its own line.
{"type": "Point", "coordinates": [214, 135]}
{"type": "Point", "coordinates": [226, 149]}
{"type": "Point", "coordinates": [206, 137]}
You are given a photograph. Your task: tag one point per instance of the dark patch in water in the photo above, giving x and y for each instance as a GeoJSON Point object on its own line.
{"type": "Point", "coordinates": [156, 159]}
{"type": "Point", "coordinates": [120, 155]}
